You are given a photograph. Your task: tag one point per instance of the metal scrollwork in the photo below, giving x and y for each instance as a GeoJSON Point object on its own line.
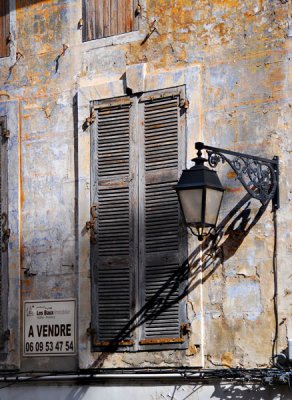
{"type": "Point", "coordinates": [214, 159]}
{"type": "Point", "coordinates": [258, 177]}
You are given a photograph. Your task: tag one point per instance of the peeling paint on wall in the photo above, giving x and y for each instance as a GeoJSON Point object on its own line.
{"type": "Point", "coordinates": [243, 55]}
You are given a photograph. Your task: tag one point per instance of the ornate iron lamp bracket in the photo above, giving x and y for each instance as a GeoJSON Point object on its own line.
{"type": "Point", "coordinates": [259, 176]}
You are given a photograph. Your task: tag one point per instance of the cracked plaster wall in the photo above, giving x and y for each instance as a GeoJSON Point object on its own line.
{"type": "Point", "coordinates": [243, 52]}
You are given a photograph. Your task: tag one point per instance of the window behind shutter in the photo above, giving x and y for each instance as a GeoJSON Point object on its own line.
{"type": "Point", "coordinates": [162, 240]}
{"type": "Point", "coordinates": [109, 17]}
{"type": "Point", "coordinates": [113, 250]}
{"type": "Point", "coordinates": [4, 225]}
{"type": "Point", "coordinates": [4, 28]}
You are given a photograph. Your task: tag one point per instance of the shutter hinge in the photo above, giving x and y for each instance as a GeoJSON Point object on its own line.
{"type": "Point", "coordinates": [90, 225]}
{"type": "Point", "coordinates": [185, 329]}
{"type": "Point", "coordinates": [80, 23]}
{"type": "Point", "coordinates": [5, 133]}
{"type": "Point", "coordinates": [89, 120]}
{"type": "Point", "coordinates": [138, 10]}
{"type": "Point", "coordinates": [9, 38]}
{"type": "Point", "coordinates": [184, 103]}
{"type": "Point", "coordinates": [90, 331]}
{"type": "Point", "coordinates": [28, 273]}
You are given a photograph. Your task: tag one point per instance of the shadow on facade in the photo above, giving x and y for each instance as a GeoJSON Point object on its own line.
{"type": "Point", "coordinates": [185, 391]}
{"type": "Point", "coordinates": [252, 392]}
{"type": "Point", "coordinates": [18, 4]}
{"type": "Point", "coordinates": [216, 249]}
{"type": "Point", "coordinates": [76, 393]}
{"type": "Point", "coordinates": [234, 392]}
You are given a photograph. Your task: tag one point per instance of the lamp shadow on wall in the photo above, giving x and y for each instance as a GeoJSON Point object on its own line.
{"type": "Point", "coordinates": [217, 248]}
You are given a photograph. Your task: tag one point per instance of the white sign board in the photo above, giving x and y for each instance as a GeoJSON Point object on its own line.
{"type": "Point", "coordinates": [49, 328]}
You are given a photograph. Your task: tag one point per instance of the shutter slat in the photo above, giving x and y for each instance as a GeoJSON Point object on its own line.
{"type": "Point", "coordinates": [113, 17]}
{"type": "Point", "coordinates": [121, 16]}
{"type": "Point", "coordinates": [106, 17]}
{"type": "Point", "coordinates": [99, 15]}
{"type": "Point", "coordinates": [129, 15]}
{"type": "Point", "coordinates": [90, 21]}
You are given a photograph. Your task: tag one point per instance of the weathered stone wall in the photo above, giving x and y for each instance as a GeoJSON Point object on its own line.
{"type": "Point", "coordinates": [238, 54]}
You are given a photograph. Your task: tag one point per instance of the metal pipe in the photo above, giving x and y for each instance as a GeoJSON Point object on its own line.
{"type": "Point", "coordinates": [80, 377]}
{"type": "Point", "coordinates": [243, 376]}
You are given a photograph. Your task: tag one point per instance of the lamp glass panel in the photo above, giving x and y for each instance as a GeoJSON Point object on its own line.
{"type": "Point", "coordinates": [213, 202]}
{"type": "Point", "coordinates": [191, 202]}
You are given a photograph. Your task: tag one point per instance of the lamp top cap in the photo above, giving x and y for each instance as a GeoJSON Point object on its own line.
{"type": "Point", "coordinates": [199, 160]}
{"type": "Point", "coordinates": [199, 145]}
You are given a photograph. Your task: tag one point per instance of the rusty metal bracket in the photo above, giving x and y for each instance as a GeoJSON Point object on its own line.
{"type": "Point", "coordinates": [152, 29]}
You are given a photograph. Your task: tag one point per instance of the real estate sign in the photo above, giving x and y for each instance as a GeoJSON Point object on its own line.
{"type": "Point", "coordinates": [49, 327]}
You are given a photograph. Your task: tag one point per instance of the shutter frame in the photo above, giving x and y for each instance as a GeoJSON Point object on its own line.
{"type": "Point", "coordinates": [113, 274]}
{"type": "Point", "coordinates": [160, 269]}
{"type": "Point", "coordinates": [138, 341]}
{"type": "Point", "coordinates": [3, 254]}
{"type": "Point", "coordinates": [4, 28]}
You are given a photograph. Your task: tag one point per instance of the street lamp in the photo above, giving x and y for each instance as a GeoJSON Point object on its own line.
{"type": "Point", "coordinates": [200, 195]}
{"type": "Point", "coordinates": [200, 191]}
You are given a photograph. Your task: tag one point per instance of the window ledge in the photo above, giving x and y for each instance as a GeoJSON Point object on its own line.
{"type": "Point", "coordinates": [113, 40]}
{"type": "Point", "coordinates": [6, 60]}
{"type": "Point", "coordinates": [10, 59]}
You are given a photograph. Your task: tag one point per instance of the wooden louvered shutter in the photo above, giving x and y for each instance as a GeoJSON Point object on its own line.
{"type": "Point", "coordinates": [162, 239]}
{"type": "Point", "coordinates": [109, 17]}
{"type": "Point", "coordinates": [3, 242]}
{"type": "Point", "coordinates": [4, 28]}
{"type": "Point", "coordinates": [113, 253]}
